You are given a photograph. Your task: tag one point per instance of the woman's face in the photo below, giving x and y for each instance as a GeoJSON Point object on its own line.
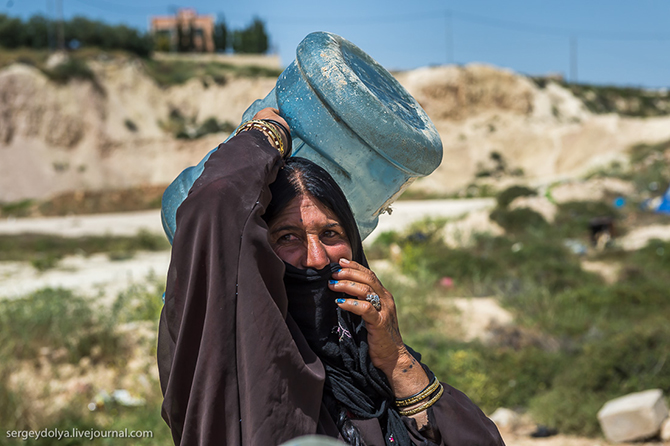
{"type": "Point", "coordinates": [306, 234]}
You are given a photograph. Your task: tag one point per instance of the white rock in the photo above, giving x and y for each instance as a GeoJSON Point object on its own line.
{"type": "Point", "coordinates": [460, 233]}
{"type": "Point", "coordinates": [541, 205]}
{"type": "Point", "coordinates": [634, 416]}
{"type": "Point", "coordinates": [505, 418]}
{"type": "Point", "coordinates": [665, 430]}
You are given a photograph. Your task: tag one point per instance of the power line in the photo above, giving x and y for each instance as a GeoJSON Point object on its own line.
{"type": "Point", "coordinates": [573, 59]}
{"type": "Point", "coordinates": [117, 8]}
{"type": "Point", "coordinates": [557, 31]}
{"type": "Point", "coordinates": [358, 20]}
{"type": "Point", "coordinates": [479, 19]}
{"type": "Point", "coordinates": [449, 30]}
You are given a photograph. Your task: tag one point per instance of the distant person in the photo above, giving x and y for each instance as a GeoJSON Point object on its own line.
{"type": "Point", "coordinates": [274, 327]}
{"type": "Point", "coordinates": [602, 231]}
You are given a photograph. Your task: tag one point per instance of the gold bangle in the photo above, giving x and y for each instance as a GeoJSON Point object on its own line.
{"type": "Point", "coordinates": [423, 407]}
{"type": "Point", "coordinates": [263, 128]}
{"type": "Point", "coordinates": [425, 393]}
{"type": "Point", "coordinates": [268, 130]}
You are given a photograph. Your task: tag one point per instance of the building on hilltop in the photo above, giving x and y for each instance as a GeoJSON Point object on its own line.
{"type": "Point", "coordinates": [184, 32]}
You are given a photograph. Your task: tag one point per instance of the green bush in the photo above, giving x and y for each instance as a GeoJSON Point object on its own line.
{"type": "Point", "coordinates": [508, 195]}
{"type": "Point", "coordinates": [54, 318]}
{"type": "Point", "coordinates": [167, 73]}
{"type": "Point", "coordinates": [626, 101]}
{"type": "Point", "coordinates": [380, 247]}
{"type": "Point", "coordinates": [44, 262]}
{"type": "Point", "coordinates": [21, 208]}
{"type": "Point", "coordinates": [70, 69]}
{"type": "Point", "coordinates": [140, 302]}
{"type": "Point", "coordinates": [130, 125]}
{"type": "Point", "coordinates": [572, 218]}
{"type": "Point", "coordinates": [640, 152]}
{"type": "Point", "coordinates": [569, 410]}
{"type": "Point", "coordinates": [654, 258]}
{"type": "Point", "coordinates": [66, 328]}
{"type": "Point", "coordinates": [212, 125]}
{"type": "Point", "coordinates": [44, 250]}
{"type": "Point", "coordinates": [518, 220]}
{"type": "Point", "coordinates": [497, 265]}
{"type": "Point", "coordinates": [492, 377]}
{"type": "Point", "coordinates": [613, 364]}
{"type": "Point", "coordinates": [610, 339]}
{"type": "Point", "coordinates": [571, 313]}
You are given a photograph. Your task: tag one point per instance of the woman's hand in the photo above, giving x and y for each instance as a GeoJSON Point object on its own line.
{"type": "Point", "coordinates": [387, 351]}
{"type": "Point", "coordinates": [273, 114]}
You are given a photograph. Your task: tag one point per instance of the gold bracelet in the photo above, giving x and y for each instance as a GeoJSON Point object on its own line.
{"type": "Point", "coordinates": [423, 407]}
{"type": "Point", "coordinates": [425, 393]}
{"type": "Point", "coordinates": [268, 130]}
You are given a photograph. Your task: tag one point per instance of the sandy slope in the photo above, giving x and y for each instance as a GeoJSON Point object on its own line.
{"type": "Point", "coordinates": [56, 138]}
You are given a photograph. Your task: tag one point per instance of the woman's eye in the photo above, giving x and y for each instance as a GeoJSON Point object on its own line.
{"type": "Point", "coordinates": [329, 233]}
{"type": "Point", "coordinates": [333, 235]}
{"type": "Point", "coordinates": [286, 238]}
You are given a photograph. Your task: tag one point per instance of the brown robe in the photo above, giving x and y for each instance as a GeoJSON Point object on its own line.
{"type": "Point", "coordinates": [234, 368]}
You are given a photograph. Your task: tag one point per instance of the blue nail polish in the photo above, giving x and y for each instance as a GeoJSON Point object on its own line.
{"type": "Point", "coordinates": [332, 282]}
{"type": "Point", "coordinates": [339, 270]}
{"type": "Point", "coordinates": [339, 300]}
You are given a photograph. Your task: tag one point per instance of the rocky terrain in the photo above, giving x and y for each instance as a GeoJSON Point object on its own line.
{"type": "Point", "coordinates": [114, 131]}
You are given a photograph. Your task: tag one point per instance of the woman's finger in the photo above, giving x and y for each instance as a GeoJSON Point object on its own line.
{"type": "Point", "coordinates": [356, 272]}
{"type": "Point", "coordinates": [362, 308]}
{"type": "Point", "coordinates": [354, 289]}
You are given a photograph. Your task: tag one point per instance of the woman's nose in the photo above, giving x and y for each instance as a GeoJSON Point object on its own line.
{"type": "Point", "coordinates": [317, 257]}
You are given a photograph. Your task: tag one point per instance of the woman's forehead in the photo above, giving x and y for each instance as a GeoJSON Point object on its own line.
{"type": "Point", "coordinates": [305, 206]}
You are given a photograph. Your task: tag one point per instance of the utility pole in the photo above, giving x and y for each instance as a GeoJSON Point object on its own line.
{"type": "Point", "coordinates": [573, 59]}
{"type": "Point", "coordinates": [61, 30]}
{"type": "Point", "coordinates": [50, 25]}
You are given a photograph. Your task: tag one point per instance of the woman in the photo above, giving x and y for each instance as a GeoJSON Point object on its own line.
{"type": "Point", "coordinates": [273, 325]}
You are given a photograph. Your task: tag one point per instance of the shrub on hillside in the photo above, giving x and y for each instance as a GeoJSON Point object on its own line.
{"type": "Point", "coordinates": [508, 195]}
{"type": "Point", "coordinates": [613, 364]}
{"type": "Point", "coordinates": [573, 217]}
{"type": "Point", "coordinates": [517, 220]}
{"type": "Point", "coordinates": [55, 319]}
{"type": "Point", "coordinates": [492, 377]}
{"type": "Point", "coordinates": [70, 69]}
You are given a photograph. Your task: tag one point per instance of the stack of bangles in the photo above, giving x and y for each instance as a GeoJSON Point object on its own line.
{"type": "Point", "coordinates": [427, 397]}
{"type": "Point", "coordinates": [271, 129]}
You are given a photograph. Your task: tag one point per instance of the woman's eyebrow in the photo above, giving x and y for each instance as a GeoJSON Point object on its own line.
{"type": "Point", "coordinates": [298, 228]}
{"type": "Point", "coordinates": [285, 228]}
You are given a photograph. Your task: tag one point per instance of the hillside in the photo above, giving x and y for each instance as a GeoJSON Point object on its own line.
{"type": "Point", "coordinates": [121, 129]}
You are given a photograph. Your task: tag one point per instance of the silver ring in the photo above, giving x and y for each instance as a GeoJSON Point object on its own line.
{"type": "Point", "coordinates": [374, 300]}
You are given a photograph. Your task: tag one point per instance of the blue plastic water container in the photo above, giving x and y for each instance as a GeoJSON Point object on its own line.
{"type": "Point", "coordinates": [351, 117]}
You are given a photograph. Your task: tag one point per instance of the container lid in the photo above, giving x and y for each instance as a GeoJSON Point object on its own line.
{"type": "Point", "coordinates": [370, 101]}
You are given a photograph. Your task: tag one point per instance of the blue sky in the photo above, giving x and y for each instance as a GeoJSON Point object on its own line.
{"type": "Point", "coordinates": [609, 41]}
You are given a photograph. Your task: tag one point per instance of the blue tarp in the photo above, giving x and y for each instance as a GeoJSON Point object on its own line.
{"type": "Point", "coordinates": [664, 207]}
